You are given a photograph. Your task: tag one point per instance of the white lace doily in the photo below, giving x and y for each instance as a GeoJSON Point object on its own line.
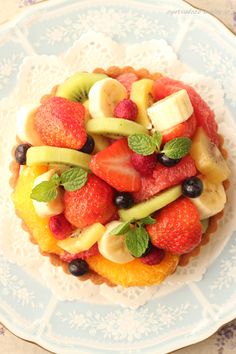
{"type": "Point", "coordinates": [37, 76]}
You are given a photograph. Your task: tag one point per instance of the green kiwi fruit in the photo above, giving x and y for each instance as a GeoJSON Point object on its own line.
{"type": "Point", "coordinates": [143, 209]}
{"type": "Point", "coordinates": [114, 127]}
{"type": "Point", "coordinates": [42, 155]}
{"type": "Point", "coordinates": [77, 87]}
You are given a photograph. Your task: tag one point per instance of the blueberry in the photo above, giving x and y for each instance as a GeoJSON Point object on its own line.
{"type": "Point", "coordinates": [192, 187]}
{"type": "Point", "coordinates": [20, 153]}
{"type": "Point", "coordinates": [78, 267]}
{"type": "Point", "coordinates": [167, 161]}
{"type": "Point", "coordinates": [88, 146]}
{"type": "Point", "coordinates": [124, 200]}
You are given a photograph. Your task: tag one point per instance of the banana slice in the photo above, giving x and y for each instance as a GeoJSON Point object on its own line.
{"type": "Point", "coordinates": [170, 111]}
{"type": "Point", "coordinates": [114, 247]}
{"type": "Point", "coordinates": [54, 207]}
{"type": "Point", "coordinates": [25, 129]}
{"type": "Point", "coordinates": [103, 97]}
{"type": "Point", "coordinates": [141, 94]}
{"type": "Point", "coordinates": [212, 200]}
{"type": "Point", "coordinates": [81, 241]}
{"type": "Point", "coordinates": [208, 158]}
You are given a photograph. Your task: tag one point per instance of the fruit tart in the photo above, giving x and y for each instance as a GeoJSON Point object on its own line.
{"type": "Point", "coordinates": [119, 176]}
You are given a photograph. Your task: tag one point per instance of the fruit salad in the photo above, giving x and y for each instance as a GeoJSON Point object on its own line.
{"type": "Point", "coordinates": [121, 175]}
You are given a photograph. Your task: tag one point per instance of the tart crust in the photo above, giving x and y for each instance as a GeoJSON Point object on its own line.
{"type": "Point", "coordinates": [55, 260]}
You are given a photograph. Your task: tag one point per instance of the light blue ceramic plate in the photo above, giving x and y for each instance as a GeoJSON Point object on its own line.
{"type": "Point", "coordinates": [190, 313]}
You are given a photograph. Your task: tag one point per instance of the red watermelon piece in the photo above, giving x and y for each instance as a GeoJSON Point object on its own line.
{"type": "Point", "coordinates": [165, 177]}
{"type": "Point", "coordinates": [204, 115]}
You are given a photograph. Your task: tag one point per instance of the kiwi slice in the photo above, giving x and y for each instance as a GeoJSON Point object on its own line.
{"type": "Point", "coordinates": [114, 127]}
{"type": "Point", "coordinates": [205, 224]}
{"type": "Point", "coordinates": [141, 210]}
{"type": "Point", "coordinates": [77, 87]}
{"type": "Point", "coordinates": [41, 155]}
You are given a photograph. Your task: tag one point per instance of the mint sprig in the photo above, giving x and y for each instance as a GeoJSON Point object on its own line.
{"type": "Point", "coordinates": [136, 236]}
{"type": "Point", "coordinates": [72, 179]}
{"type": "Point", "coordinates": [144, 144]}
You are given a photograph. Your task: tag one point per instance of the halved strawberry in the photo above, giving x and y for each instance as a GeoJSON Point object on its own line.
{"type": "Point", "coordinates": [186, 129]}
{"type": "Point", "coordinates": [165, 177]}
{"type": "Point", "coordinates": [114, 166]}
{"type": "Point", "coordinates": [204, 115]}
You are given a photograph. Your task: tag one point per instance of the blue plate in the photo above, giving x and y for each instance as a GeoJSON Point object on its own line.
{"type": "Point", "coordinates": [190, 313]}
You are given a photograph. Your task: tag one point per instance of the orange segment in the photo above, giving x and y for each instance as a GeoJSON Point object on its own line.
{"type": "Point", "coordinates": [38, 227]}
{"type": "Point", "coordinates": [134, 273]}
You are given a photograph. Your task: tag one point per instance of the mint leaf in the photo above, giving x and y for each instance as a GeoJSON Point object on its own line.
{"type": "Point", "coordinates": [56, 179]}
{"type": "Point", "coordinates": [177, 148]}
{"type": "Point", "coordinates": [44, 191]}
{"type": "Point", "coordinates": [141, 143]}
{"type": "Point", "coordinates": [74, 178]}
{"type": "Point", "coordinates": [147, 221]}
{"type": "Point", "coordinates": [157, 139]}
{"type": "Point", "coordinates": [122, 228]}
{"type": "Point", "coordinates": [137, 241]}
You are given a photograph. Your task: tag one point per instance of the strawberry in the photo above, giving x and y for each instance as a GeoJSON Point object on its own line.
{"type": "Point", "coordinates": [177, 228]}
{"type": "Point", "coordinates": [60, 122]}
{"type": "Point", "coordinates": [155, 256]}
{"type": "Point", "coordinates": [59, 227]}
{"type": "Point", "coordinates": [126, 109]}
{"type": "Point", "coordinates": [89, 204]}
{"type": "Point", "coordinates": [165, 177]}
{"type": "Point", "coordinates": [127, 80]}
{"type": "Point", "coordinates": [144, 164]}
{"type": "Point", "coordinates": [204, 115]}
{"type": "Point", "coordinates": [186, 129]}
{"type": "Point", "coordinates": [114, 166]}
{"type": "Point", "coordinates": [68, 257]}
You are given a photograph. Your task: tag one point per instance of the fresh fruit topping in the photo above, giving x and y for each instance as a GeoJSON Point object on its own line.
{"type": "Point", "coordinates": [104, 96]}
{"type": "Point", "coordinates": [167, 161]}
{"type": "Point", "coordinates": [144, 164]}
{"type": "Point", "coordinates": [100, 143]}
{"type": "Point", "coordinates": [60, 122]}
{"type": "Point", "coordinates": [59, 226]}
{"type": "Point", "coordinates": [38, 226]}
{"type": "Point", "coordinates": [87, 115]}
{"type": "Point", "coordinates": [88, 146]}
{"type": "Point", "coordinates": [208, 158]}
{"type": "Point", "coordinates": [144, 209]}
{"type": "Point", "coordinates": [204, 115]}
{"type": "Point", "coordinates": [114, 127]}
{"type": "Point", "coordinates": [20, 153]}
{"type": "Point", "coordinates": [68, 257]}
{"type": "Point", "coordinates": [205, 224]}
{"type": "Point", "coordinates": [126, 109]}
{"type": "Point", "coordinates": [134, 273]}
{"type": "Point", "coordinates": [177, 228]}
{"type": "Point", "coordinates": [114, 247]}
{"type": "Point", "coordinates": [91, 204]}
{"type": "Point", "coordinates": [170, 111]}
{"type": "Point", "coordinates": [77, 87]}
{"type": "Point", "coordinates": [186, 129]}
{"type": "Point", "coordinates": [25, 128]}
{"type": "Point", "coordinates": [83, 240]}
{"type": "Point", "coordinates": [212, 200]}
{"type": "Point", "coordinates": [78, 267]}
{"type": "Point", "coordinates": [127, 80]}
{"type": "Point", "coordinates": [192, 187]}
{"type": "Point", "coordinates": [52, 195]}
{"type": "Point", "coordinates": [141, 94]}
{"type": "Point", "coordinates": [155, 256]}
{"type": "Point", "coordinates": [114, 166]}
{"type": "Point", "coordinates": [42, 155]}
{"type": "Point", "coordinates": [124, 200]}
{"type": "Point", "coordinates": [71, 179]}
{"type": "Point", "coordinates": [165, 177]}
